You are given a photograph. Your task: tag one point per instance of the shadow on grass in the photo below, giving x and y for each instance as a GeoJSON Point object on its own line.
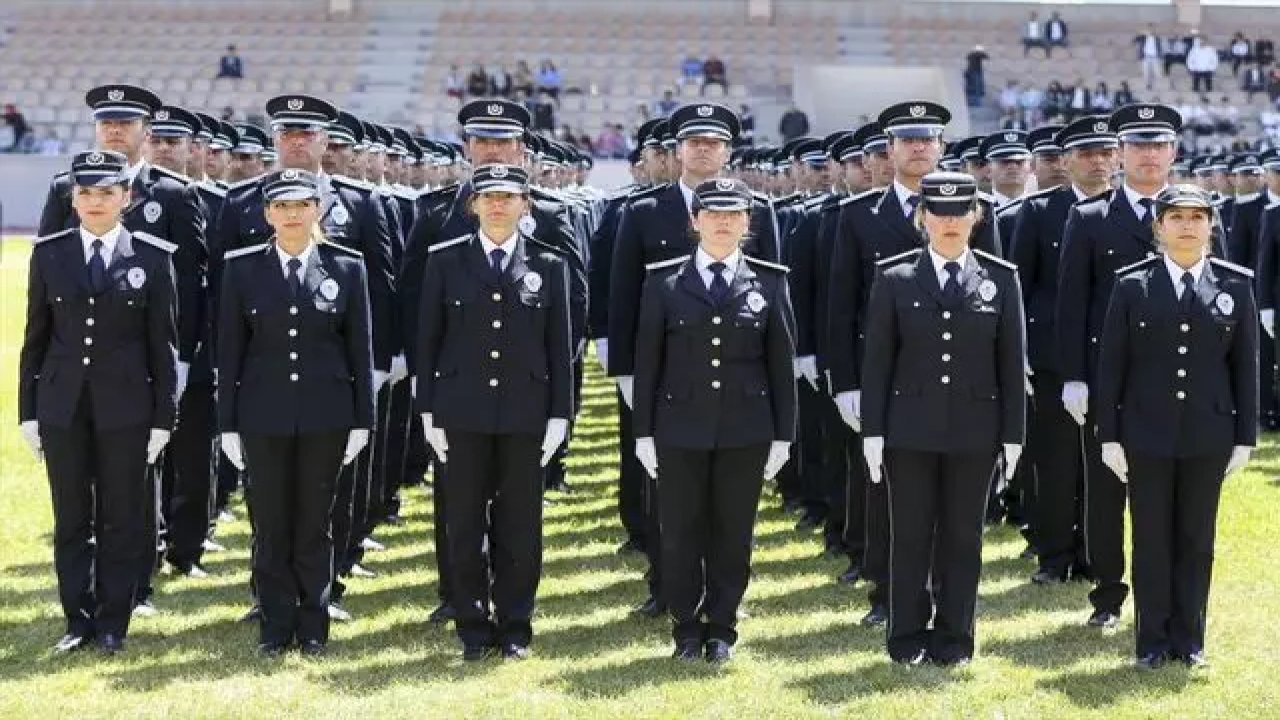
{"type": "Point", "coordinates": [1097, 689]}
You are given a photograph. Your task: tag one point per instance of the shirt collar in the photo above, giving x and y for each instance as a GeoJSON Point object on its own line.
{"type": "Point", "coordinates": [939, 263]}
{"type": "Point", "coordinates": [303, 256]}
{"type": "Point", "coordinates": [1080, 194]}
{"type": "Point", "coordinates": [687, 192]}
{"type": "Point", "coordinates": [131, 171]}
{"type": "Point", "coordinates": [1001, 199]}
{"type": "Point", "coordinates": [904, 193]}
{"type": "Point", "coordinates": [508, 247]}
{"type": "Point", "coordinates": [1272, 198]}
{"type": "Point", "coordinates": [1134, 197]}
{"type": "Point", "coordinates": [1176, 270]}
{"type": "Point", "coordinates": [109, 240]}
{"type": "Point", "coordinates": [703, 261]}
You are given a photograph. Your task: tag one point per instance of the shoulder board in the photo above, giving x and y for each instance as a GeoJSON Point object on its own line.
{"type": "Point", "coordinates": [1218, 262]}
{"type": "Point", "coordinates": [244, 183]}
{"type": "Point", "coordinates": [1012, 205]}
{"type": "Point", "coordinates": [895, 259]}
{"type": "Point", "coordinates": [760, 197]}
{"type": "Point", "coordinates": [172, 175]}
{"type": "Point", "coordinates": [650, 191]}
{"type": "Point", "coordinates": [343, 248]}
{"type": "Point", "coordinates": [815, 202]}
{"type": "Point", "coordinates": [52, 236]}
{"type": "Point", "coordinates": [986, 197]}
{"type": "Point", "coordinates": [448, 243]}
{"type": "Point", "coordinates": [1140, 264]}
{"type": "Point", "coordinates": [1275, 204]}
{"type": "Point", "coordinates": [404, 193]}
{"type": "Point", "coordinates": [383, 190]}
{"type": "Point", "coordinates": [864, 195]}
{"type": "Point", "coordinates": [152, 240]}
{"type": "Point", "coordinates": [241, 252]}
{"type": "Point", "coordinates": [766, 263]}
{"type": "Point", "coordinates": [540, 193]}
{"type": "Point", "coordinates": [64, 175]}
{"type": "Point", "coordinates": [546, 247]}
{"type": "Point", "coordinates": [666, 263]}
{"type": "Point", "coordinates": [210, 187]}
{"type": "Point", "coordinates": [351, 182]}
{"type": "Point", "coordinates": [1043, 192]}
{"type": "Point", "coordinates": [992, 258]}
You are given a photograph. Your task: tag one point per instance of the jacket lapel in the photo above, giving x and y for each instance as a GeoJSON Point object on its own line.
{"type": "Point", "coordinates": [691, 282]}
{"type": "Point", "coordinates": [271, 274]}
{"type": "Point", "coordinates": [138, 189]}
{"type": "Point", "coordinates": [890, 212]}
{"type": "Point", "coordinates": [478, 262]}
{"type": "Point", "coordinates": [518, 266]}
{"type": "Point", "coordinates": [1122, 213]}
{"type": "Point", "coordinates": [744, 280]}
{"type": "Point", "coordinates": [928, 279]}
{"type": "Point", "coordinates": [72, 256]}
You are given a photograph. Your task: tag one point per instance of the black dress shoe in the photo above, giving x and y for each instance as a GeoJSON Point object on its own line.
{"type": "Point", "coordinates": [1196, 660]}
{"type": "Point", "coordinates": [719, 652]}
{"type": "Point", "coordinates": [1045, 576]}
{"type": "Point", "coordinates": [559, 486]}
{"type": "Point", "coordinates": [911, 659]}
{"type": "Point", "coordinates": [111, 643]}
{"type": "Point", "coordinates": [72, 642]}
{"type": "Point", "coordinates": [272, 649]}
{"type": "Point", "coordinates": [688, 650]}
{"type": "Point", "coordinates": [1150, 661]}
{"type": "Point", "coordinates": [312, 648]}
{"type": "Point", "coordinates": [877, 616]}
{"type": "Point", "coordinates": [1028, 553]}
{"type": "Point", "coordinates": [442, 614]}
{"type": "Point", "coordinates": [808, 523]}
{"type": "Point", "coordinates": [476, 653]}
{"type": "Point", "coordinates": [253, 615]}
{"type": "Point", "coordinates": [1103, 619]}
{"type": "Point", "coordinates": [515, 651]}
{"type": "Point", "coordinates": [629, 547]}
{"type": "Point", "coordinates": [650, 608]}
{"type": "Point", "coordinates": [851, 575]}
{"type": "Point", "coordinates": [950, 659]}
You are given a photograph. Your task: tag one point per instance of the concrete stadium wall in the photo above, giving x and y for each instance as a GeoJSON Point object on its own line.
{"type": "Point", "coordinates": [837, 97]}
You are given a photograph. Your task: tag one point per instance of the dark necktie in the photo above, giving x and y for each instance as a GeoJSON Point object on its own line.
{"type": "Point", "coordinates": [97, 268]}
{"type": "Point", "coordinates": [719, 286]}
{"type": "Point", "coordinates": [496, 256]}
{"type": "Point", "coordinates": [952, 288]}
{"type": "Point", "coordinates": [912, 203]}
{"type": "Point", "coordinates": [1146, 210]}
{"type": "Point", "coordinates": [1188, 292]}
{"type": "Point", "coordinates": [295, 283]}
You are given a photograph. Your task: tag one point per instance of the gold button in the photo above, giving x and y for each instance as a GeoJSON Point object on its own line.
{"type": "Point", "coordinates": [495, 354]}
{"type": "Point", "coordinates": [493, 382]}
{"type": "Point", "coordinates": [716, 320]}
{"type": "Point", "coordinates": [497, 297]}
{"type": "Point", "coordinates": [293, 332]}
{"type": "Point", "coordinates": [715, 341]}
{"type": "Point", "coordinates": [293, 377]}
{"type": "Point", "coordinates": [497, 324]}
{"type": "Point", "coordinates": [715, 384]}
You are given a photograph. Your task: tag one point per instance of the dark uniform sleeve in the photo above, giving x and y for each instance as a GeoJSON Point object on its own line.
{"type": "Point", "coordinates": [561, 347]}
{"type": "Point", "coordinates": [161, 338]}
{"type": "Point", "coordinates": [598, 271]}
{"type": "Point", "coordinates": [802, 259]}
{"type": "Point", "coordinates": [781, 356]}
{"type": "Point", "coordinates": [232, 340]}
{"type": "Point", "coordinates": [190, 262]}
{"type": "Point", "coordinates": [56, 213]}
{"type": "Point", "coordinates": [986, 236]}
{"type": "Point", "coordinates": [375, 240]}
{"type": "Point", "coordinates": [410, 280]}
{"type": "Point", "coordinates": [1268, 258]}
{"type": "Point", "coordinates": [1025, 250]}
{"type": "Point", "coordinates": [430, 317]}
{"type": "Point", "coordinates": [1113, 360]}
{"type": "Point", "coordinates": [626, 280]}
{"type": "Point", "coordinates": [1071, 314]}
{"type": "Point", "coordinates": [877, 363]}
{"type": "Point", "coordinates": [844, 290]}
{"type": "Point", "coordinates": [1244, 369]}
{"type": "Point", "coordinates": [358, 335]}
{"type": "Point", "coordinates": [650, 349]}
{"type": "Point", "coordinates": [563, 237]}
{"type": "Point", "coordinates": [764, 230]}
{"type": "Point", "coordinates": [35, 340]}
{"type": "Point", "coordinates": [1013, 353]}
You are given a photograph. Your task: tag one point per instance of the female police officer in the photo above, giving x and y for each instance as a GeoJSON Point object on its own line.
{"type": "Point", "coordinates": [942, 391]}
{"type": "Point", "coordinates": [96, 393]}
{"type": "Point", "coordinates": [495, 390]}
{"type": "Point", "coordinates": [1178, 410]}
{"type": "Point", "coordinates": [715, 410]}
{"type": "Point", "coordinates": [295, 400]}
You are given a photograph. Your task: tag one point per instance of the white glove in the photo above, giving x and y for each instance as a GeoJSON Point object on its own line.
{"type": "Point", "coordinates": [30, 430]}
{"type": "Point", "coordinates": [155, 444]}
{"type": "Point", "coordinates": [380, 378]}
{"type": "Point", "coordinates": [627, 384]}
{"type": "Point", "coordinates": [399, 369]}
{"type": "Point", "coordinates": [231, 448]}
{"type": "Point", "coordinates": [553, 438]}
{"type": "Point", "coordinates": [779, 451]}
{"type": "Point", "coordinates": [1113, 457]}
{"type": "Point", "coordinates": [602, 354]}
{"type": "Point", "coordinates": [1075, 398]}
{"type": "Point", "coordinates": [435, 438]}
{"type": "Point", "coordinates": [647, 454]}
{"type": "Point", "coordinates": [1239, 458]}
{"type": "Point", "coordinates": [807, 367]}
{"type": "Point", "coordinates": [184, 371]}
{"type": "Point", "coordinates": [849, 403]}
{"type": "Point", "coordinates": [1011, 454]}
{"type": "Point", "coordinates": [1268, 319]}
{"type": "Point", "coordinates": [413, 386]}
{"type": "Point", "coordinates": [357, 439]}
{"type": "Point", "coordinates": [873, 453]}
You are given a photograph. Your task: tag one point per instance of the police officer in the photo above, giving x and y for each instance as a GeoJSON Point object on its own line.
{"type": "Point", "coordinates": [1268, 256]}
{"type": "Point", "coordinates": [942, 380]}
{"type": "Point", "coordinates": [1053, 438]}
{"type": "Point", "coordinates": [494, 369]}
{"type": "Point", "coordinates": [655, 226]}
{"type": "Point", "coordinates": [296, 399]}
{"type": "Point", "coordinates": [1177, 412]}
{"type": "Point", "coordinates": [1048, 159]}
{"type": "Point", "coordinates": [246, 162]}
{"type": "Point", "coordinates": [715, 412]}
{"type": "Point", "coordinates": [1009, 159]}
{"type": "Point", "coordinates": [97, 380]}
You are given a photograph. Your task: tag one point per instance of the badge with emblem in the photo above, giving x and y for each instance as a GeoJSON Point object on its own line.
{"type": "Point", "coordinates": [295, 104]}
{"type": "Point", "coordinates": [704, 111]}
{"type": "Point", "coordinates": [532, 281]}
{"type": "Point", "coordinates": [528, 224]}
{"type": "Point", "coordinates": [1146, 113]}
{"type": "Point", "coordinates": [137, 278]}
{"type": "Point", "coordinates": [987, 291]}
{"type": "Point", "coordinates": [115, 95]}
{"type": "Point", "coordinates": [329, 289]}
{"type": "Point", "coordinates": [755, 301]}
{"type": "Point", "coordinates": [151, 211]}
{"type": "Point", "coordinates": [1225, 303]}
{"type": "Point", "coordinates": [340, 215]}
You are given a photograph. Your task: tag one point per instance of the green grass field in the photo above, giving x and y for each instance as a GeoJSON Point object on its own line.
{"type": "Point", "coordinates": [801, 653]}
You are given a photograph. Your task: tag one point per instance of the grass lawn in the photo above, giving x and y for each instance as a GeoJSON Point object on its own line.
{"type": "Point", "coordinates": [801, 652]}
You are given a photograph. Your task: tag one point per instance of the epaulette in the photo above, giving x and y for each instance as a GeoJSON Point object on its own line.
{"type": "Point", "coordinates": [248, 250]}
{"type": "Point", "coordinates": [51, 236]}
{"type": "Point", "coordinates": [1275, 204]}
{"type": "Point", "coordinates": [404, 193]}
{"type": "Point", "coordinates": [1042, 192]}
{"type": "Point", "coordinates": [666, 263]}
{"type": "Point", "coordinates": [448, 243]}
{"type": "Point", "coordinates": [992, 258]}
{"type": "Point", "coordinates": [1011, 205]}
{"type": "Point", "coordinates": [895, 259]}
{"type": "Point", "coordinates": [647, 192]}
{"type": "Point", "coordinates": [864, 195]}
{"type": "Point", "coordinates": [986, 197]}
{"type": "Point", "coordinates": [244, 183]}
{"type": "Point", "coordinates": [154, 241]}
{"type": "Point", "coordinates": [172, 175]}
{"type": "Point", "coordinates": [760, 197]}
{"type": "Point", "coordinates": [64, 175]}
{"type": "Point", "coordinates": [1218, 262]}
{"type": "Point", "coordinates": [1134, 266]}
{"type": "Point", "coordinates": [343, 248]}
{"type": "Point", "coordinates": [766, 263]}
{"type": "Point", "coordinates": [206, 185]}
{"type": "Point", "coordinates": [352, 182]}
{"type": "Point", "coordinates": [1104, 195]}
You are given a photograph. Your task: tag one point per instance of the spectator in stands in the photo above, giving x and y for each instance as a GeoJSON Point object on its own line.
{"type": "Point", "coordinates": [1273, 84]}
{"type": "Point", "coordinates": [1175, 52]}
{"type": "Point", "coordinates": [691, 71]}
{"type": "Point", "coordinates": [611, 143]}
{"type": "Point", "coordinates": [1269, 119]}
{"type": "Point", "coordinates": [1202, 62]}
{"type": "Point", "coordinates": [1009, 97]}
{"type": "Point", "coordinates": [543, 109]}
{"type": "Point", "coordinates": [582, 140]}
{"type": "Point", "coordinates": [1031, 102]}
{"type": "Point", "coordinates": [975, 81]}
{"type": "Point", "coordinates": [1012, 120]}
{"type": "Point", "coordinates": [1264, 51]}
{"type": "Point", "coordinates": [228, 114]}
{"type": "Point", "coordinates": [51, 144]}
{"type": "Point", "coordinates": [1055, 33]}
{"type": "Point", "coordinates": [1056, 100]}
{"type": "Point", "coordinates": [1080, 101]}
{"type": "Point", "coordinates": [1200, 117]}
{"type": "Point", "coordinates": [1033, 36]}
{"type": "Point", "coordinates": [793, 124]}
{"type": "Point", "coordinates": [1150, 52]}
{"type": "Point", "coordinates": [713, 73]}
{"type": "Point", "coordinates": [1241, 52]}
{"type": "Point", "coordinates": [549, 80]}
{"type": "Point", "coordinates": [1124, 96]}
{"type": "Point", "coordinates": [667, 105]}
{"type": "Point", "coordinates": [231, 66]}
{"type": "Point", "coordinates": [1100, 101]}
{"type": "Point", "coordinates": [747, 121]}
{"type": "Point", "coordinates": [17, 124]}
{"type": "Point", "coordinates": [453, 83]}
{"type": "Point", "coordinates": [1254, 81]}
{"type": "Point", "coordinates": [477, 82]}
{"type": "Point", "coordinates": [500, 84]}
{"type": "Point", "coordinates": [524, 79]}
{"type": "Point", "coordinates": [1226, 117]}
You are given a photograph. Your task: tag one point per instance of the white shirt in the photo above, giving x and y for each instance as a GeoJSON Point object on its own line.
{"type": "Point", "coordinates": [1033, 30]}
{"type": "Point", "coordinates": [1080, 194]}
{"type": "Point", "coordinates": [303, 256]}
{"type": "Point", "coordinates": [687, 192]}
{"type": "Point", "coordinates": [940, 263]}
{"type": "Point", "coordinates": [1176, 271]}
{"type": "Point", "coordinates": [1134, 198]}
{"type": "Point", "coordinates": [1151, 47]}
{"type": "Point", "coordinates": [905, 193]}
{"type": "Point", "coordinates": [109, 241]}
{"type": "Point", "coordinates": [131, 172]}
{"type": "Point", "coordinates": [703, 261]}
{"type": "Point", "coordinates": [507, 247]}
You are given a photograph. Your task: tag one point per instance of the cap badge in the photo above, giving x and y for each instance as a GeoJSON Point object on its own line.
{"type": "Point", "coordinates": [1251, 160]}
{"type": "Point", "coordinates": [289, 174]}
{"type": "Point", "coordinates": [987, 291]}
{"type": "Point", "coordinates": [498, 172]}
{"type": "Point", "coordinates": [947, 189]}
{"type": "Point", "coordinates": [136, 277]}
{"type": "Point", "coordinates": [1011, 137]}
{"type": "Point", "coordinates": [95, 158]}
{"type": "Point", "coordinates": [1146, 113]}
{"type": "Point", "coordinates": [115, 95]}
{"type": "Point", "coordinates": [704, 111]}
{"type": "Point", "coordinates": [495, 109]}
{"type": "Point", "coordinates": [162, 114]}
{"type": "Point", "coordinates": [916, 111]}
{"type": "Point", "coordinates": [1100, 127]}
{"type": "Point", "coordinates": [295, 104]}
{"type": "Point", "coordinates": [329, 289]}
{"type": "Point", "coordinates": [532, 281]}
{"type": "Point", "coordinates": [724, 184]}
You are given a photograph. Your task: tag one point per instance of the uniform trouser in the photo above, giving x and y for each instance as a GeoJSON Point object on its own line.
{"type": "Point", "coordinates": [708, 502]}
{"type": "Point", "coordinates": [936, 505]}
{"type": "Point", "coordinates": [1104, 502]}
{"type": "Point", "coordinates": [367, 483]}
{"type": "Point", "coordinates": [1175, 510]}
{"type": "Point", "coordinates": [395, 459]}
{"type": "Point", "coordinates": [493, 496]}
{"type": "Point", "coordinates": [191, 497]}
{"type": "Point", "coordinates": [1268, 404]}
{"type": "Point", "coordinates": [1058, 472]}
{"type": "Point", "coordinates": [340, 522]}
{"type": "Point", "coordinates": [153, 523]}
{"type": "Point", "coordinates": [555, 472]}
{"type": "Point", "coordinates": [806, 458]}
{"type": "Point", "coordinates": [228, 481]}
{"type": "Point", "coordinates": [632, 479]}
{"type": "Point", "coordinates": [843, 529]}
{"type": "Point", "coordinates": [96, 478]}
{"type": "Point", "coordinates": [294, 478]}
{"type": "Point", "coordinates": [875, 551]}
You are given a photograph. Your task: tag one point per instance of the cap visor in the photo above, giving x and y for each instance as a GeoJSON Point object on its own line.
{"type": "Point", "coordinates": [914, 131]}
{"type": "Point", "coordinates": [502, 187]}
{"type": "Point", "coordinates": [98, 179]}
{"type": "Point", "coordinates": [949, 209]}
{"type": "Point", "coordinates": [723, 205]}
{"type": "Point", "coordinates": [1147, 136]}
{"type": "Point", "coordinates": [293, 194]}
